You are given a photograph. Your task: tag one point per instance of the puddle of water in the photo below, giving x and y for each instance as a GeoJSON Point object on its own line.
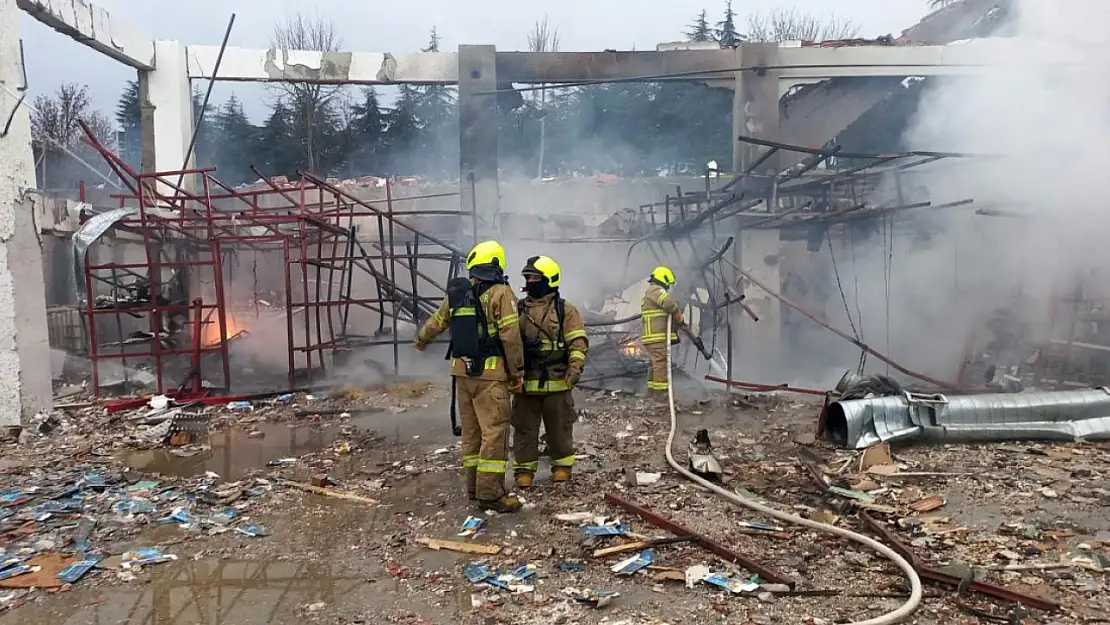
{"type": "Point", "coordinates": [207, 591]}
{"type": "Point", "coordinates": [233, 452]}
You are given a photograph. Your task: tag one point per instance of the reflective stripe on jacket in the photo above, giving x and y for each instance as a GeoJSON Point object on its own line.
{"type": "Point", "coordinates": [499, 306]}
{"type": "Point", "coordinates": [539, 324]}
{"type": "Point", "coordinates": [656, 306]}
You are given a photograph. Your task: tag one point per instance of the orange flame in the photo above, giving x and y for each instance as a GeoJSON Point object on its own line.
{"type": "Point", "coordinates": [631, 348]}
{"type": "Point", "coordinates": [210, 332]}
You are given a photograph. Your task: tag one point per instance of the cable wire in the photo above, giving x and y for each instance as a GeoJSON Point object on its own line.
{"type": "Point", "coordinates": [840, 286]}
{"type": "Point", "coordinates": [58, 144]}
{"type": "Point", "coordinates": [897, 616]}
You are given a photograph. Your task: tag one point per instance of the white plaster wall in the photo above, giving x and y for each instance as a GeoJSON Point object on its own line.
{"type": "Point", "coordinates": [24, 348]}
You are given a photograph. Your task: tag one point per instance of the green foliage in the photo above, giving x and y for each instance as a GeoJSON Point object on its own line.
{"type": "Point", "coordinates": [700, 30]}
{"type": "Point", "coordinates": [129, 117]}
{"type": "Point", "coordinates": [624, 128]}
{"type": "Point", "coordinates": [727, 35]}
{"type": "Point", "coordinates": [365, 131]}
{"type": "Point", "coordinates": [238, 143]}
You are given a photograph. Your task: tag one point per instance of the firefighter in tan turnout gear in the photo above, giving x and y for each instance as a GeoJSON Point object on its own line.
{"type": "Point", "coordinates": [657, 305]}
{"type": "Point", "coordinates": [487, 364]}
{"type": "Point", "coordinates": [555, 349]}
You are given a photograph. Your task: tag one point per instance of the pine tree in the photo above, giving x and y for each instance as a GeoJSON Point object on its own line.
{"type": "Point", "coordinates": [700, 30]}
{"type": "Point", "coordinates": [129, 115]}
{"type": "Point", "coordinates": [205, 150]}
{"type": "Point", "coordinates": [278, 150]}
{"type": "Point", "coordinates": [365, 133]}
{"type": "Point", "coordinates": [437, 113]}
{"type": "Point", "coordinates": [402, 133]}
{"type": "Point", "coordinates": [331, 139]}
{"type": "Point", "coordinates": [727, 35]}
{"type": "Point", "coordinates": [238, 140]}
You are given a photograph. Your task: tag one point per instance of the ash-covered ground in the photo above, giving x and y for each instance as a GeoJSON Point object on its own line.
{"type": "Point", "coordinates": [249, 548]}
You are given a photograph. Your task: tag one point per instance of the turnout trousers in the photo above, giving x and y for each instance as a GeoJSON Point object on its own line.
{"type": "Point", "coordinates": [556, 412]}
{"type": "Point", "coordinates": [657, 368]}
{"type": "Point", "coordinates": [484, 408]}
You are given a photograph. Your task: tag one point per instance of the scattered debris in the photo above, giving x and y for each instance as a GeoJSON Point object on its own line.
{"type": "Point", "coordinates": [461, 547]}
{"type": "Point", "coordinates": [327, 492]}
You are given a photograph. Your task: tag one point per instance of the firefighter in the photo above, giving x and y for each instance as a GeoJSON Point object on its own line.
{"type": "Point", "coordinates": [555, 348]}
{"type": "Point", "coordinates": [487, 366]}
{"type": "Point", "coordinates": [656, 306]}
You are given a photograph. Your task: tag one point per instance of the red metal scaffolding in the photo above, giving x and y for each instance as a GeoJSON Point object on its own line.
{"type": "Point", "coordinates": [188, 224]}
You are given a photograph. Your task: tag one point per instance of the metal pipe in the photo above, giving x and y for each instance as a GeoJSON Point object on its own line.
{"type": "Point", "coordinates": [844, 335]}
{"type": "Point", "coordinates": [706, 543]}
{"type": "Point", "coordinates": [204, 104]}
{"type": "Point", "coordinates": [1049, 415]}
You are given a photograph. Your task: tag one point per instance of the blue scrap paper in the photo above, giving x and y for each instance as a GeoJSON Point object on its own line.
{"type": "Point", "coordinates": [179, 515]}
{"type": "Point", "coordinates": [128, 506]}
{"type": "Point", "coordinates": [93, 479]}
{"type": "Point", "coordinates": [609, 529]}
{"type": "Point", "coordinates": [476, 572]}
{"type": "Point", "coordinates": [734, 586]}
{"type": "Point", "coordinates": [141, 557]}
{"type": "Point", "coordinates": [225, 516]}
{"type": "Point", "coordinates": [569, 566]}
{"type": "Point", "coordinates": [15, 571]}
{"type": "Point", "coordinates": [471, 526]}
{"type": "Point", "coordinates": [14, 498]}
{"type": "Point", "coordinates": [506, 581]}
{"type": "Point", "coordinates": [252, 530]}
{"type": "Point", "coordinates": [635, 563]}
{"type": "Point", "coordinates": [74, 572]}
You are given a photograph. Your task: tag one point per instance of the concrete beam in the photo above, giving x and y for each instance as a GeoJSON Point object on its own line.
{"type": "Point", "coordinates": [364, 68]}
{"type": "Point", "coordinates": [796, 64]}
{"type": "Point", "coordinates": [93, 26]}
{"type": "Point", "coordinates": [972, 57]}
{"type": "Point", "coordinates": [543, 67]}
{"type": "Point", "coordinates": [25, 370]}
{"type": "Point", "coordinates": [822, 111]}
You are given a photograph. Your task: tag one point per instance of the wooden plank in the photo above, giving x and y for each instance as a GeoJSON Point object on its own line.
{"type": "Point", "coordinates": [461, 547]}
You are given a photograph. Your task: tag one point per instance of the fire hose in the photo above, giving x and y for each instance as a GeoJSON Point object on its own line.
{"type": "Point", "coordinates": [897, 616]}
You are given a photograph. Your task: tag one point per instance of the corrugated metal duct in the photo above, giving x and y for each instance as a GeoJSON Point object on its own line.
{"type": "Point", "coordinates": [1047, 415]}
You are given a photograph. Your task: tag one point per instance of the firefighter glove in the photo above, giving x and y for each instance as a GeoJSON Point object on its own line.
{"type": "Point", "coordinates": [419, 346]}
{"type": "Point", "coordinates": [572, 378]}
{"type": "Point", "coordinates": [516, 384]}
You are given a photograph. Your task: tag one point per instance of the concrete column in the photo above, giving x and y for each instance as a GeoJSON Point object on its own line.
{"type": "Point", "coordinates": [755, 113]}
{"type": "Point", "coordinates": [167, 115]}
{"type": "Point", "coordinates": [25, 371]}
{"type": "Point", "coordinates": [478, 161]}
{"type": "Point", "coordinates": [755, 104]}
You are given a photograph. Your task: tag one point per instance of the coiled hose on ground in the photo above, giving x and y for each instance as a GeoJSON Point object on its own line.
{"type": "Point", "coordinates": [897, 616]}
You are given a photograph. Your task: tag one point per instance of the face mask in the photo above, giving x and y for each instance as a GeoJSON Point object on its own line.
{"type": "Point", "coordinates": [536, 290]}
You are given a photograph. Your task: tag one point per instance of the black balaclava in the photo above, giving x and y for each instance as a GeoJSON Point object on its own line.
{"type": "Point", "coordinates": [538, 289]}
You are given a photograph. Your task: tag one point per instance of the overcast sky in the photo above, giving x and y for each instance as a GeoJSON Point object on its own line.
{"type": "Point", "coordinates": [375, 26]}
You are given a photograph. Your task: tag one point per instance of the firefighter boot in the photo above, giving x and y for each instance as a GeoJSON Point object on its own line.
{"type": "Point", "coordinates": [523, 480]}
{"type": "Point", "coordinates": [560, 474]}
{"type": "Point", "coordinates": [505, 505]}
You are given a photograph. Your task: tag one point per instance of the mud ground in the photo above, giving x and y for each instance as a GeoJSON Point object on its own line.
{"type": "Point", "coordinates": [334, 561]}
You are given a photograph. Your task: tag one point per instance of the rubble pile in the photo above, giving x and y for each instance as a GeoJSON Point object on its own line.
{"type": "Point", "coordinates": [1007, 532]}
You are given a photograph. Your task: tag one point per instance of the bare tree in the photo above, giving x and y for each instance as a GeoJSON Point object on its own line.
{"type": "Point", "coordinates": [792, 25]}
{"type": "Point", "coordinates": [302, 32]}
{"type": "Point", "coordinates": [56, 134]}
{"type": "Point", "coordinates": [543, 38]}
